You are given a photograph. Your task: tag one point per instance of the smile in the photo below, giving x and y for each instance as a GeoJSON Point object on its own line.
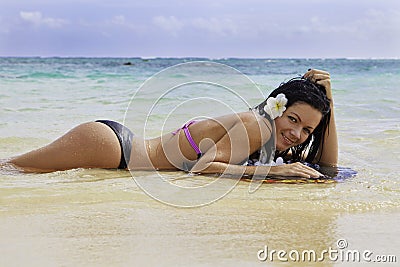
{"type": "Point", "coordinates": [287, 140]}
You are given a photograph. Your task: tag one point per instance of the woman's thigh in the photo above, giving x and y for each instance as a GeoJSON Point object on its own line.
{"type": "Point", "coordinates": [89, 145]}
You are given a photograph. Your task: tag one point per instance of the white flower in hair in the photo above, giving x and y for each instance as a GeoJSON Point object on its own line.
{"type": "Point", "coordinates": [276, 106]}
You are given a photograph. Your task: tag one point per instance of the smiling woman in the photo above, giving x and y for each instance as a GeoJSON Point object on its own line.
{"type": "Point", "coordinates": [302, 130]}
{"type": "Point", "coordinates": [306, 130]}
{"type": "Point", "coordinates": [223, 145]}
{"type": "Point", "coordinates": [296, 126]}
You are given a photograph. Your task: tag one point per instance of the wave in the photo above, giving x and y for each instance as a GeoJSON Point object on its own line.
{"type": "Point", "coordinates": [46, 75]}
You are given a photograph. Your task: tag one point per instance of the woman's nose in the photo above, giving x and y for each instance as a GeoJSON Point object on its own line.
{"type": "Point", "coordinates": [296, 133]}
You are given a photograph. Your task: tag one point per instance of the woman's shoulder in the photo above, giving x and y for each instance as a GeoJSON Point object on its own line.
{"type": "Point", "coordinates": [246, 116]}
{"type": "Point", "coordinates": [252, 117]}
{"type": "Point", "coordinates": [228, 120]}
{"type": "Point", "coordinates": [251, 120]}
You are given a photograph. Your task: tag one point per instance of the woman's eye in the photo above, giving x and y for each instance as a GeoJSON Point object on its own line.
{"type": "Point", "coordinates": [307, 131]}
{"type": "Point", "coordinates": [293, 119]}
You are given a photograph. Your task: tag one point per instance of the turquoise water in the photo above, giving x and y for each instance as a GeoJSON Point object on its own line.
{"type": "Point", "coordinates": [42, 98]}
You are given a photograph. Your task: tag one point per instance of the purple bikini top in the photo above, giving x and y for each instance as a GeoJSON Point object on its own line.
{"type": "Point", "coordinates": [185, 128]}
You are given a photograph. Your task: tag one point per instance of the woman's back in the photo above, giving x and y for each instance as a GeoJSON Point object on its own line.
{"type": "Point", "coordinates": [226, 139]}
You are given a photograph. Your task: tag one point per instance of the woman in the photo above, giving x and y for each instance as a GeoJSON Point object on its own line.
{"type": "Point", "coordinates": [303, 130]}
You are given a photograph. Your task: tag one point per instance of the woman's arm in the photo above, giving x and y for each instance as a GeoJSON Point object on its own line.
{"type": "Point", "coordinates": [247, 135]}
{"type": "Point", "coordinates": [294, 169]}
{"type": "Point", "coordinates": [329, 153]}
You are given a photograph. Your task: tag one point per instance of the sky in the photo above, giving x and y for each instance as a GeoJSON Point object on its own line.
{"type": "Point", "coordinates": [201, 28]}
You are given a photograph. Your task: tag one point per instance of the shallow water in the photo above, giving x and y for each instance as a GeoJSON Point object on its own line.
{"type": "Point", "coordinates": [102, 218]}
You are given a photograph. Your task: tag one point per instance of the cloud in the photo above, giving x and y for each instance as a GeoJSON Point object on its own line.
{"type": "Point", "coordinates": [116, 25]}
{"type": "Point", "coordinates": [213, 25]}
{"type": "Point", "coordinates": [170, 24]}
{"type": "Point", "coordinates": [119, 20]}
{"type": "Point", "coordinates": [185, 28]}
{"type": "Point", "coordinates": [366, 26]}
{"type": "Point", "coordinates": [216, 26]}
{"type": "Point", "coordinates": [378, 21]}
{"type": "Point", "coordinates": [36, 18]}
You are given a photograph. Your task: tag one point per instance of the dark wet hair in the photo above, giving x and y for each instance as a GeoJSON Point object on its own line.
{"type": "Point", "coordinates": [300, 90]}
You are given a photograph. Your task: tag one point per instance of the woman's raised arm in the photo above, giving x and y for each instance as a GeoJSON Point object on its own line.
{"type": "Point", "coordinates": [329, 153]}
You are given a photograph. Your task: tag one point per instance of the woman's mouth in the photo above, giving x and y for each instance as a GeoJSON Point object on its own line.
{"type": "Point", "coordinates": [286, 140]}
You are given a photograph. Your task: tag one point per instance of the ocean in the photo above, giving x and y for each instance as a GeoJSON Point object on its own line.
{"type": "Point", "coordinates": [94, 217]}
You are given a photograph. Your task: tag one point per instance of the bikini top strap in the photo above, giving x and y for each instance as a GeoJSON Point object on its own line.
{"type": "Point", "coordinates": [185, 128]}
{"type": "Point", "coordinates": [191, 141]}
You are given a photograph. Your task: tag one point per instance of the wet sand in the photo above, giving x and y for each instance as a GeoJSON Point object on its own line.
{"type": "Point", "coordinates": [111, 222]}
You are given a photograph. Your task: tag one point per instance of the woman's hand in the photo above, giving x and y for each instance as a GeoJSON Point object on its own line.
{"type": "Point", "coordinates": [322, 78]}
{"type": "Point", "coordinates": [294, 169]}
{"type": "Point", "coordinates": [329, 154]}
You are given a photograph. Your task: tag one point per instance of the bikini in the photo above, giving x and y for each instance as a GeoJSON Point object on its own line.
{"type": "Point", "coordinates": [124, 136]}
{"type": "Point", "coordinates": [193, 144]}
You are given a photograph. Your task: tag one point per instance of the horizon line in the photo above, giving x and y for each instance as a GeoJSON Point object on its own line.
{"type": "Point", "coordinates": [207, 58]}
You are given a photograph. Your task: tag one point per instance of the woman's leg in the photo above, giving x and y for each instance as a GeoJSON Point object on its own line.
{"type": "Point", "coordinates": [89, 145]}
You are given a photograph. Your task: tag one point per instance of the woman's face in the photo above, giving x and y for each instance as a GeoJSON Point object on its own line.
{"type": "Point", "coordinates": [295, 125]}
